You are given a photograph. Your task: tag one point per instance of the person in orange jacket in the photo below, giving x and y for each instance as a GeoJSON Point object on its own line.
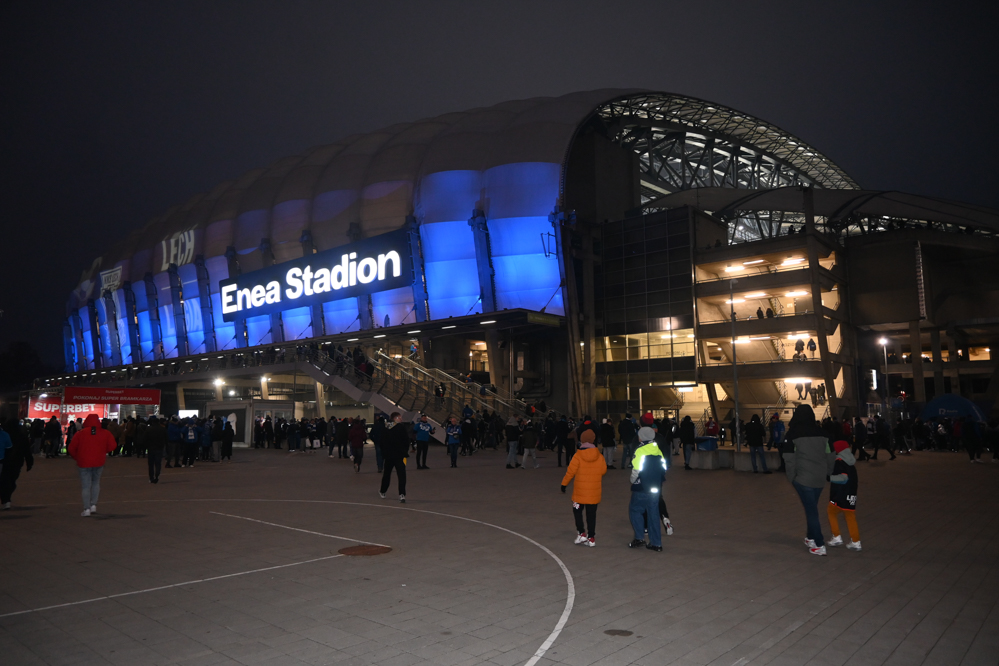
{"type": "Point", "coordinates": [587, 468]}
{"type": "Point", "coordinates": [89, 448]}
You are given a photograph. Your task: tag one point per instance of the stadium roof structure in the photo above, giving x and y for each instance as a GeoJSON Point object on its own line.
{"type": "Point", "coordinates": [843, 211]}
{"type": "Point", "coordinates": [366, 184]}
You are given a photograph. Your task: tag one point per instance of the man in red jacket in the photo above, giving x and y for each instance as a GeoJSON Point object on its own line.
{"type": "Point", "coordinates": [89, 449]}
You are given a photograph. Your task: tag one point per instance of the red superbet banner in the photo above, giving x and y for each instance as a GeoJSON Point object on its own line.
{"type": "Point", "coordinates": [76, 395]}
{"type": "Point", "coordinates": [42, 408]}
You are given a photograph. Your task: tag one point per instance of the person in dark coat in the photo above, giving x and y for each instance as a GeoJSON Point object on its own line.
{"type": "Point", "coordinates": [687, 434]}
{"type": "Point", "coordinates": [395, 450]}
{"type": "Point", "coordinates": [755, 434]}
{"type": "Point", "coordinates": [156, 444]}
{"type": "Point", "coordinates": [16, 457]}
{"type": "Point", "coordinates": [228, 434]}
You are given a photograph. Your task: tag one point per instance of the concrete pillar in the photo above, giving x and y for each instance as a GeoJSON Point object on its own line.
{"type": "Point", "coordinates": [265, 394]}
{"type": "Point", "coordinates": [320, 400]}
{"type": "Point", "coordinates": [916, 358]}
{"type": "Point", "coordinates": [938, 376]}
{"type": "Point", "coordinates": [955, 384]}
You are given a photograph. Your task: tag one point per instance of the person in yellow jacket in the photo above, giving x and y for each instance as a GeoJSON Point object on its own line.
{"type": "Point", "coordinates": [647, 476]}
{"type": "Point", "coordinates": [587, 468]}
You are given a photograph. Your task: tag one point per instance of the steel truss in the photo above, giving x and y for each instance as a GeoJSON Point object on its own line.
{"type": "Point", "coordinates": [684, 143]}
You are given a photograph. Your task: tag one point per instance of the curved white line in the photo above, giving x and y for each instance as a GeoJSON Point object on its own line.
{"type": "Point", "coordinates": [570, 591]}
{"type": "Point", "coordinates": [167, 587]}
{"type": "Point", "coordinates": [297, 529]}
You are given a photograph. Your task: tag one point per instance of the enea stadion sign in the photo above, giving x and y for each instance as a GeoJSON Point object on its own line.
{"type": "Point", "coordinates": [370, 265]}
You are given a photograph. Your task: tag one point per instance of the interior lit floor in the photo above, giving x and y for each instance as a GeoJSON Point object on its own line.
{"type": "Point", "coordinates": [239, 564]}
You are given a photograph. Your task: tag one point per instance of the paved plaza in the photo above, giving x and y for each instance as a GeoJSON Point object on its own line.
{"type": "Point", "coordinates": [240, 564]}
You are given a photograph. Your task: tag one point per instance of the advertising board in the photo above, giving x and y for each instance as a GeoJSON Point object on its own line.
{"type": "Point", "coordinates": [363, 267]}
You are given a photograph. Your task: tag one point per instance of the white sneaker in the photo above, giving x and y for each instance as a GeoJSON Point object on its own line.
{"type": "Point", "coordinates": [821, 550]}
{"type": "Point", "coordinates": [86, 512]}
{"type": "Point", "coordinates": [580, 538]}
{"type": "Point", "coordinates": [93, 508]}
{"type": "Point", "coordinates": [810, 542]}
{"type": "Point", "coordinates": [591, 542]}
{"type": "Point", "coordinates": [835, 541]}
{"type": "Point", "coordinates": [668, 525]}
{"type": "Point", "coordinates": [402, 498]}
{"type": "Point", "coordinates": [853, 545]}
{"type": "Point", "coordinates": [382, 495]}
{"type": "Point", "coordinates": [6, 507]}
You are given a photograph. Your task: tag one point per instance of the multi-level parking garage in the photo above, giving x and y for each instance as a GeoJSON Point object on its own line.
{"type": "Point", "coordinates": [579, 250]}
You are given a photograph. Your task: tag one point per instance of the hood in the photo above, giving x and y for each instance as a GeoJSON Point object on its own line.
{"type": "Point", "coordinates": [93, 421]}
{"type": "Point", "coordinates": [804, 416]}
{"type": "Point", "coordinates": [846, 455]}
{"type": "Point", "coordinates": [589, 454]}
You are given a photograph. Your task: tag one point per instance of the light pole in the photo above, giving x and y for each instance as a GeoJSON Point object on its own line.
{"type": "Point", "coordinates": [884, 349]}
{"type": "Point", "coordinates": [735, 367]}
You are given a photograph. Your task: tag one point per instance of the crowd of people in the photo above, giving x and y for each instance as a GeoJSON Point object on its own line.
{"type": "Point", "coordinates": [812, 452]}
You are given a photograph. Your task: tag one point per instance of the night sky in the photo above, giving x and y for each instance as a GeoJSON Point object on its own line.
{"type": "Point", "coordinates": [114, 111]}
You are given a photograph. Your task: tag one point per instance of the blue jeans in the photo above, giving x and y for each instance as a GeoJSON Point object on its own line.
{"type": "Point", "coordinates": [641, 505]}
{"type": "Point", "coordinates": [627, 453]}
{"type": "Point", "coordinates": [810, 500]}
{"type": "Point", "coordinates": [688, 450]}
{"type": "Point", "coordinates": [758, 451]}
{"type": "Point", "coordinates": [90, 482]}
{"type": "Point", "coordinates": [511, 452]}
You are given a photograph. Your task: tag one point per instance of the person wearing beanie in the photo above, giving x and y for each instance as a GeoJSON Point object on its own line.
{"type": "Point", "coordinates": [843, 496]}
{"type": "Point", "coordinates": [809, 460]}
{"type": "Point", "coordinates": [587, 468]}
{"type": "Point", "coordinates": [647, 476]}
{"type": "Point", "coordinates": [663, 512]}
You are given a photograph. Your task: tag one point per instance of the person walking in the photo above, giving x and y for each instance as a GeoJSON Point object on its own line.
{"type": "Point", "coordinates": [190, 436]}
{"type": "Point", "coordinates": [882, 437]}
{"type": "Point", "coordinates": [647, 476]}
{"type": "Point", "coordinates": [12, 459]}
{"type": "Point", "coordinates": [357, 436]}
{"type": "Point", "coordinates": [90, 448]}
{"type": "Point", "coordinates": [174, 443]}
{"type": "Point", "coordinates": [687, 435]}
{"type": "Point", "coordinates": [453, 437]}
{"type": "Point", "coordinates": [608, 442]}
{"type": "Point", "coordinates": [529, 442]}
{"type": "Point", "coordinates": [156, 444]}
{"type": "Point", "coordinates": [395, 450]}
{"type": "Point", "coordinates": [754, 438]}
{"type": "Point", "coordinates": [585, 472]}
{"type": "Point", "coordinates": [513, 429]}
{"type": "Point", "coordinates": [423, 430]}
{"type": "Point", "coordinates": [228, 434]}
{"type": "Point", "coordinates": [627, 430]}
{"type": "Point", "coordinates": [53, 437]}
{"type": "Point", "coordinates": [216, 430]}
{"type": "Point", "coordinates": [809, 460]}
{"type": "Point", "coordinates": [843, 496]}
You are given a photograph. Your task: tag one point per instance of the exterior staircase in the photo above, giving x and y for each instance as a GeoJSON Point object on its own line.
{"type": "Point", "coordinates": [401, 385]}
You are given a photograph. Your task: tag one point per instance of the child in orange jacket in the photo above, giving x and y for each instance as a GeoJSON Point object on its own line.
{"type": "Point", "coordinates": [587, 468]}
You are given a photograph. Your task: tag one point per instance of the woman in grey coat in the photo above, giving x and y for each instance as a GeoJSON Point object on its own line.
{"type": "Point", "coordinates": [809, 460]}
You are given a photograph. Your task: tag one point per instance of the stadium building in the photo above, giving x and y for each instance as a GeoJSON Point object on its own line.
{"type": "Point", "coordinates": [603, 252]}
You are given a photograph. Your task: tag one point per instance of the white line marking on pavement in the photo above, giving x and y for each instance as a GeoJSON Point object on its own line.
{"type": "Point", "coordinates": [166, 587]}
{"type": "Point", "coordinates": [297, 529]}
{"type": "Point", "coordinates": [571, 588]}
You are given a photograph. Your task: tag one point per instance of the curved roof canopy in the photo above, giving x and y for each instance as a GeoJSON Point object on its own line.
{"type": "Point", "coordinates": [366, 184]}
